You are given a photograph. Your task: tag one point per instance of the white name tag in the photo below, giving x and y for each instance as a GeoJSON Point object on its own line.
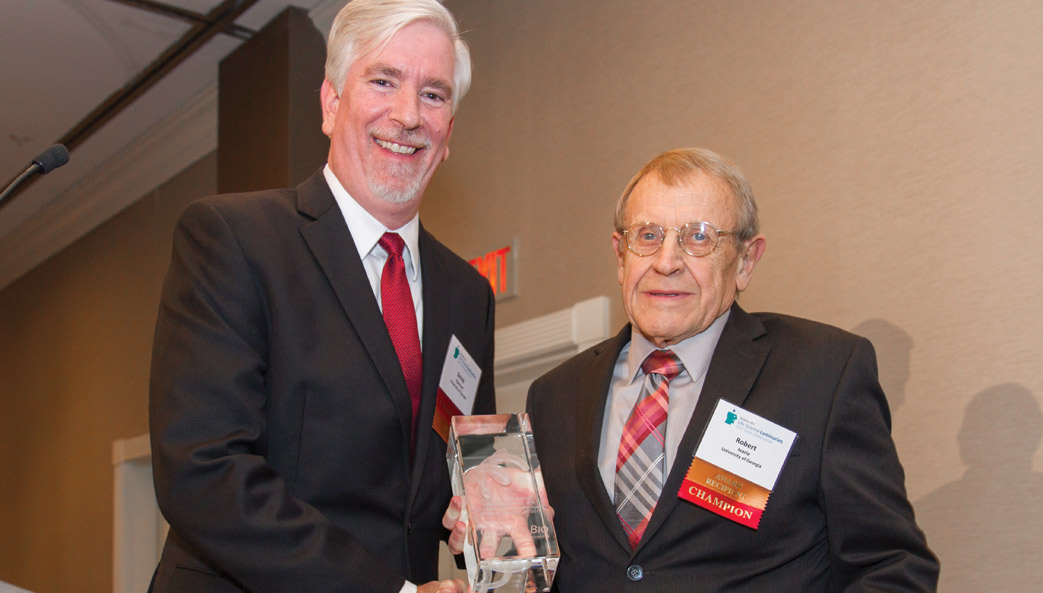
{"type": "Point", "coordinates": [745, 444]}
{"type": "Point", "coordinates": [460, 376]}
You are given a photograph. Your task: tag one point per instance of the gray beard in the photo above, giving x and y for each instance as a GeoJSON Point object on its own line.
{"type": "Point", "coordinates": [407, 190]}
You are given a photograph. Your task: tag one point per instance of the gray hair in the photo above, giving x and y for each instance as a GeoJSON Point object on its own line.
{"type": "Point", "coordinates": [674, 167]}
{"type": "Point", "coordinates": [363, 26]}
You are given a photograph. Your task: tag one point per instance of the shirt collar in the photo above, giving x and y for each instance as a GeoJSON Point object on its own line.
{"type": "Point", "coordinates": [695, 352]}
{"type": "Point", "coordinates": [366, 230]}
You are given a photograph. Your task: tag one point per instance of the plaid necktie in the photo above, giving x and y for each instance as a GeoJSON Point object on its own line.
{"type": "Point", "coordinates": [400, 318]}
{"type": "Point", "coordinates": [640, 463]}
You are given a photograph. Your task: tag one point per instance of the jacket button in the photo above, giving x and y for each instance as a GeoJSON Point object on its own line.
{"type": "Point", "coordinates": [635, 573]}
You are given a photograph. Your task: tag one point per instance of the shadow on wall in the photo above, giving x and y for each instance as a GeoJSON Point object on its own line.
{"type": "Point", "coordinates": [893, 348]}
{"type": "Point", "coordinates": [987, 527]}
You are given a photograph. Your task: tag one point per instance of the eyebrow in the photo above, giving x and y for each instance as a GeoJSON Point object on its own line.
{"type": "Point", "coordinates": [393, 72]}
{"type": "Point", "coordinates": [438, 83]}
{"type": "Point", "coordinates": [389, 71]}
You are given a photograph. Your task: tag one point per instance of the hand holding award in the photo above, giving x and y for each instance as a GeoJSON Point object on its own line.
{"type": "Point", "coordinates": [509, 544]}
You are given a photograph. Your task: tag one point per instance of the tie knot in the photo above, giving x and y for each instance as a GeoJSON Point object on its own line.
{"type": "Point", "coordinates": [663, 362]}
{"type": "Point", "coordinates": [392, 243]}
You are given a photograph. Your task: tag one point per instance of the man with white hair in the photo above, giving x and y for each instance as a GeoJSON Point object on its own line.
{"type": "Point", "coordinates": [660, 446]}
{"type": "Point", "coordinates": [301, 338]}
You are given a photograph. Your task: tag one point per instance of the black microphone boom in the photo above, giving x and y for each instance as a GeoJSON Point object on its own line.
{"type": "Point", "coordinates": [55, 156]}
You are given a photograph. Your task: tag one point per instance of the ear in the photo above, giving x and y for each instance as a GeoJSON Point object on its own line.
{"type": "Point", "coordinates": [619, 248]}
{"type": "Point", "coordinates": [448, 133]}
{"type": "Point", "coordinates": [744, 268]}
{"type": "Point", "coordinates": [330, 103]}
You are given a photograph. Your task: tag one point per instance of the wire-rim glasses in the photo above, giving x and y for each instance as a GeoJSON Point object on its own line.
{"type": "Point", "coordinates": [697, 239]}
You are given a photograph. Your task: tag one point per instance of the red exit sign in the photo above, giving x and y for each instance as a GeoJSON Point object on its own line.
{"type": "Point", "coordinates": [498, 267]}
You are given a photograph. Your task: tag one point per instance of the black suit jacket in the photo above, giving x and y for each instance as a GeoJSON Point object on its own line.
{"type": "Point", "coordinates": [837, 520]}
{"type": "Point", "coordinates": [279, 414]}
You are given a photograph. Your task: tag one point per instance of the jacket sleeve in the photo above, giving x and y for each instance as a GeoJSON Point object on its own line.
{"type": "Point", "coordinates": [874, 542]}
{"type": "Point", "coordinates": [209, 435]}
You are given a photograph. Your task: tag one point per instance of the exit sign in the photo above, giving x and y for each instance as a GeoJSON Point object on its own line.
{"type": "Point", "coordinates": [498, 267]}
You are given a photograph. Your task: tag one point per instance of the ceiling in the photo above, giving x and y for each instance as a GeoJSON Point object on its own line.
{"type": "Point", "coordinates": [64, 60]}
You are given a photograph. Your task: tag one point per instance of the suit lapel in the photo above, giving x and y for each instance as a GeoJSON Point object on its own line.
{"type": "Point", "coordinates": [735, 365]}
{"type": "Point", "coordinates": [590, 415]}
{"type": "Point", "coordinates": [435, 345]}
{"type": "Point", "coordinates": [331, 244]}
{"type": "Point", "coordinates": [736, 362]}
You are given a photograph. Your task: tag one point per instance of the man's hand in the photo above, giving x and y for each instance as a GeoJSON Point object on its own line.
{"type": "Point", "coordinates": [501, 498]}
{"type": "Point", "coordinates": [499, 501]}
{"type": "Point", "coordinates": [448, 586]}
{"type": "Point", "coordinates": [451, 521]}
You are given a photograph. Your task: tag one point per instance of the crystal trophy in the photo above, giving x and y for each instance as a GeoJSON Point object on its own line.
{"type": "Point", "coordinates": [510, 544]}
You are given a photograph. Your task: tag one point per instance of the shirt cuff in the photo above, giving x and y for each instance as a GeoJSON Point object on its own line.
{"type": "Point", "coordinates": [408, 587]}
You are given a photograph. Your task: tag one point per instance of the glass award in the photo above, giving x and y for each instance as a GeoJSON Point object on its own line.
{"type": "Point", "coordinates": [510, 546]}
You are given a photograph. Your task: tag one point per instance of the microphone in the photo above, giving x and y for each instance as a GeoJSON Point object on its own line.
{"type": "Point", "coordinates": [55, 156]}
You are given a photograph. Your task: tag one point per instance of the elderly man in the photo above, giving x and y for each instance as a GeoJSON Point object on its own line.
{"type": "Point", "coordinates": [302, 334]}
{"type": "Point", "coordinates": [616, 426]}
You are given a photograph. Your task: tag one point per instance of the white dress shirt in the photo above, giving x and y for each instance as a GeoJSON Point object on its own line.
{"type": "Point", "coordinates": [366, 230]}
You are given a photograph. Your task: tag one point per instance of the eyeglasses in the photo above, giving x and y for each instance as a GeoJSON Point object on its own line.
{"type": "Point", "coordinates": [697, 239]}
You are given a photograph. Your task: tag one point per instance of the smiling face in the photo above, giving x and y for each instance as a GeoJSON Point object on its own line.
{"type": "Point", "coordinates": [670, 296]}
{"type": "Point", "coordinates": [389, 125]}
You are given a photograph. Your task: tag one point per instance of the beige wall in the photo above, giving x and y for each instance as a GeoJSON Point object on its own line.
{"type": "Point", "coordinates": [893, 147]}
{"type": "Point", "coordinates": [74, 359]}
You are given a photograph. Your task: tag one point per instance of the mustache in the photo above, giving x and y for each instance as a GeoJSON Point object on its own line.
{"type": "Point", "coordinates": [415, 138]}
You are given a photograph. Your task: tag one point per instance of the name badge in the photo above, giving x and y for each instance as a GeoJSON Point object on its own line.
{"type": "Point", "coordinates": [456, 388]}
{"type": "Point", "coordinates": [736, 464]}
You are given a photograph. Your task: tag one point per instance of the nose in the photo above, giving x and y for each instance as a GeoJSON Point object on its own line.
{"type": "Point", "coordinates": [405, 109]}
{"type": "Point", "coordinates": [670, 257]}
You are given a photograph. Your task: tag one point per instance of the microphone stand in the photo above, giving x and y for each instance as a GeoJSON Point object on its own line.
{"type": "Point", "coordinates": [55, 156]}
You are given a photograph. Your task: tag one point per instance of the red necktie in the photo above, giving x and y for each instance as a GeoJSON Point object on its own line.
{"type": "Point", "coordinates": [400, 318]}
{"type": "Point", "coordinates": [639, 465]}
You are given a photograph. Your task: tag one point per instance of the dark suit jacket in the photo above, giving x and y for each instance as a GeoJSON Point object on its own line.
{"type": "Point", "coordinates": [837, 520]}
{"type": "Point", "coordinates": [279, 414]}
